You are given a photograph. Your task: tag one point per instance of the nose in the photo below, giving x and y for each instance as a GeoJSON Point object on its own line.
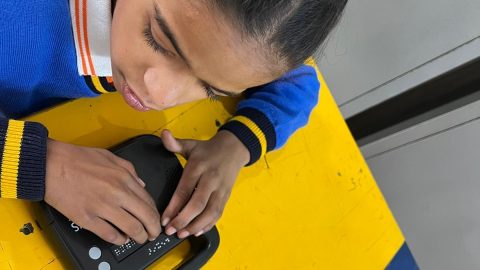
{"type": "Point", "coordinates": [164, 89]}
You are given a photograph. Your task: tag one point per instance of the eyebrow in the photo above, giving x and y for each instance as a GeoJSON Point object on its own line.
{"type": "Point", "coordinates": [162, 23]}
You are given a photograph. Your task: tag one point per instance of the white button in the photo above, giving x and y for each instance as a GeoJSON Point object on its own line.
{"type": "Point", "coordinates": [104, 266]}
{"type": "Point", "coordinates": [95, 253]}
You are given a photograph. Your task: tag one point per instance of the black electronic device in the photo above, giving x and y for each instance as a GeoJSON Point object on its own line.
{"type": "Point", "coordinates": [161, 171]}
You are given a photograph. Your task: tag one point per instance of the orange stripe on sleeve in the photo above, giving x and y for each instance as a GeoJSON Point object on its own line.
{"type": "Point", "coordinates": [79, 37]}
{"type": "Point", "coordinates": [85, 34]}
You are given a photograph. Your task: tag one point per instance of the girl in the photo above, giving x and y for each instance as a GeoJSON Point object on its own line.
{"type": "Point", "coordinates": [157, 54]}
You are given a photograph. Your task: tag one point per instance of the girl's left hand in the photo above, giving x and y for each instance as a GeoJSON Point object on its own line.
{"type": "Point", "coordinates": [205, 186]}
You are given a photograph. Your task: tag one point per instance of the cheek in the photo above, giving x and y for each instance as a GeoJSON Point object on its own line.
{"type": "Point", "coordinates": [161, 87]}
{"type": "Point", "coordinates": [126, 44]}
{"type": "Point", "coordinates": [169, 87]}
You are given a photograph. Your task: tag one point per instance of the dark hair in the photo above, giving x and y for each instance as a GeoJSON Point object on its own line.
{"type": "Point", "coordinates": [294, 29]}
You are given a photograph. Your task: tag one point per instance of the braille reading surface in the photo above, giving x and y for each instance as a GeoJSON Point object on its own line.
{"type": "Point", "coordinates": [121, 252]}
{"type": "Point", "coordinates": [157, 246]}
{"type": "Point", "coordinates": [160, 243]}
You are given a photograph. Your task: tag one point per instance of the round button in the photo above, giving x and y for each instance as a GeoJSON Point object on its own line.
{"type": "Point", "coordinates": [104, 266]}
{"type": "Point", "coordinates": [95, 253]}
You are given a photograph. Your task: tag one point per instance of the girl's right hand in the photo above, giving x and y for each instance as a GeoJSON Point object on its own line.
{"type": "Point", "coordinates": [96, 189]}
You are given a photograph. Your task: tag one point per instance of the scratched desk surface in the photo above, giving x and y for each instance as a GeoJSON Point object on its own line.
{"type": "Point", "coordinates": [311, 205]}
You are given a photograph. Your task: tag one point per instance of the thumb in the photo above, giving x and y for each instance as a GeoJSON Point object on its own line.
{"type": "Point", "coordinates": [179, 146]}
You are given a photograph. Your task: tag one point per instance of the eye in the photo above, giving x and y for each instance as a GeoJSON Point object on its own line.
{"type": "Point", "coordinates": [210, 93]}
{"type": "Point", "coordinates": [152, 43]}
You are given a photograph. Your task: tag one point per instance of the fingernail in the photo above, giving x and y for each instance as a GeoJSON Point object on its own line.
{"type": "Point", "coordinates": [165, 222]}
{"type": "Point", "coordinates": [170, 231]}
{"type": "Point", "coordinates": [199, 233]}
{"type": "Point", "coordinates": [141, 182]}
{"type": "Point", "coordinates": [152, 239]}
{"type": "Point", "coordinates": [183, 234]}
{"type": "Point", "coordinates": [128, 240]}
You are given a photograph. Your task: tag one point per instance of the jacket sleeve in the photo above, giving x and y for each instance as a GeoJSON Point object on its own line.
{"type": "Point", "coordinates": [270, 114]}
{"type": "Point", "coordinates": [23, 150]}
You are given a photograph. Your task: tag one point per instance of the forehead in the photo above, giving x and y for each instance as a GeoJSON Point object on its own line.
{"type": "Point", "coordinates": [217, 52]}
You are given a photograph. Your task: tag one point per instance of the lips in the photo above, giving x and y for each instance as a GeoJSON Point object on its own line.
{"type": "Point", "coordinates": [132, 99]}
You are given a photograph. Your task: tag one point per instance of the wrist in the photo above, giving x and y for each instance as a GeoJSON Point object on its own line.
{"type": "Point", "coordinates": [238, 149]}
{"type": "Point", "coordinates": [58, 156]}
{"type": "Point", "coordinates": [254, 130]}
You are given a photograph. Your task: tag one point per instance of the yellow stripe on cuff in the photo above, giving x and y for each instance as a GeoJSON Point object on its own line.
{"type": "Point", "coordinates": [98, 84]}
{"type": "Point", "coordinates": [255, 129]}
{"type": "Point", "coordinates": [11, 159]}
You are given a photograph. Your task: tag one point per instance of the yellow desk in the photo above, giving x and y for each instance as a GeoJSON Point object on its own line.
{"type": "Point", "coordinates": [311, 205]}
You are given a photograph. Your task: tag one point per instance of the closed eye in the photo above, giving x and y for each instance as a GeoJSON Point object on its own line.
{"type": "Point", "coordinates": [210, 93]}
{"type": "Point", "coordinates": [152, 43]}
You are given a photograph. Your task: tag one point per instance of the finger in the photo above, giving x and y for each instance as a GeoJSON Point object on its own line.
{"type": "Point", "coordinates": [140, 181]}
{"type": "Point", "coordinates": [146, 209]}
{"type": "Point", "coordinates": [205, 230]}
{"type": "Point", "coordinates": [142, 193]}
{"type": "Point", "coordinates": [124, 176]}
{"type": "Point", "coordinates": [128, 224]}
{"type": "Point", "coordinates": [106, 231]}
{"type": "Point", "coordinates": [194, 207]}
{"type": "Point", "coordinates": [183, 192]}
{"type": "Point", "coordinates": [144, 212]}
{"type": "Point", "coordinates": [209, 216]}
{"type": "Point", "coordinates": [130, 168]}
{"type": "Point", "coordinates": [182, 147]}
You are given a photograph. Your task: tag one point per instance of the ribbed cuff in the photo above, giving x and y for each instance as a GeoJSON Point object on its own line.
{"type": "Point", "coordinates": [254, 130]}
{"type": "Point", "coordinates": [23, 149]}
